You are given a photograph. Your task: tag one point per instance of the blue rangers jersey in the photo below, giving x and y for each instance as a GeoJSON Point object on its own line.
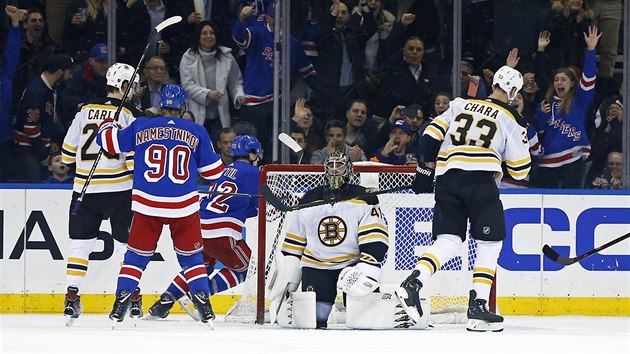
{"type": "Point", "coordinates": [168, 154]}
{"type": "Point", "coordinates": [257, 42]}
{"type": "Point", "coordinates": [224, 215]}
{"type": "Point", "coordinates": [564, 134]}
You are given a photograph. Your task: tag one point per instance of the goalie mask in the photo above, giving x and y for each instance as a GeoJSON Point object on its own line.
{"type": "Point", "coordinates": [337, 169]}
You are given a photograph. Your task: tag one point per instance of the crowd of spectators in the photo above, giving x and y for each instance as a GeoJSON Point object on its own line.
{"type": "Point", "coordinates": [367, 76]}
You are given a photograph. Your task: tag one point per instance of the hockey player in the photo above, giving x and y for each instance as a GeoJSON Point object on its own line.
{"type": "Point", "coordinates": [464, 148]}
{"type": "Point", "coordinates": [222, 222]}
{"type": "Point", "coordinates": [169, 151]}
{"type": "Point", "coordinates": [109, 194]}
{"type": "Point", "coordinates": [339, 244]}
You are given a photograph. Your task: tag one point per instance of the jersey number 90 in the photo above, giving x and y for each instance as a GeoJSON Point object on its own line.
{"type": "Point", "coordinates": [162, 161]}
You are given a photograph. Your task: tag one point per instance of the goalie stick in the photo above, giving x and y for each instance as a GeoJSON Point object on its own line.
{"type": "Point", "coordinates": [278, 204]}
{"type": "Point", "coordinates": [162, 25]}
{"type": "Point", "coordinates": [556, 257]}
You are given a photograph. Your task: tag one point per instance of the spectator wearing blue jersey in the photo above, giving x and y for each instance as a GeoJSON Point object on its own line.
{"type": "Point", "coordinates": [10, 58]}
{"type": "Point", "coordinates": [222, 225]}
{"type": "Point", "coordinates": [37, 124]}
{"type": "Point", "coordinates": [561, 122]}
{"type": "Point", "coordinates": [258, 44]}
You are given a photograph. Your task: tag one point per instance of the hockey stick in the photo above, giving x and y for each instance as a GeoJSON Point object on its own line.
{"type": "Point", "coordinates": [168, 22]}
{"type": "Point", "coordinates": [230, 194]}
{"type": "Point", "coordinates": [556, 257]}
{"type": "Point", "coordinates": [277, 203]}
{"type": "Point", "coordinates": [291, 144]}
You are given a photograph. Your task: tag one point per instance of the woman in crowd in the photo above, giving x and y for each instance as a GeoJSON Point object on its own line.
{"type": "Point", "coordinates": [561, 120]}
{"type": "Point", "coordinates": [211, 77]}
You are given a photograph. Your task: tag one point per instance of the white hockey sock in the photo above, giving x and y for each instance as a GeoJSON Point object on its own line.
{"type": "Point", "coordinates": [485, 267]}
{"type": "Point", "coordinates": [441, 251]}
{"type": "Point", "coordinates": [78, 260]}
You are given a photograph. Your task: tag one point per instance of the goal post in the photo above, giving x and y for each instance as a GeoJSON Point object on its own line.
{"type": "Point", "coordinates": [408, 217]}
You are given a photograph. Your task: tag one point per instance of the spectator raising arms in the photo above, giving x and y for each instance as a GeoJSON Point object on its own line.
{"type": "Point", "coordinates": [561, 121]}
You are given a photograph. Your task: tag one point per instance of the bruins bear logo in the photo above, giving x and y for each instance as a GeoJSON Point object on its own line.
{"type": "Point", "coordinates": [332, 231]}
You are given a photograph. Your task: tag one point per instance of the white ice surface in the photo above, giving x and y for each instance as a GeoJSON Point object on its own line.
{"type": "Point", "coordinates": [180, 334]}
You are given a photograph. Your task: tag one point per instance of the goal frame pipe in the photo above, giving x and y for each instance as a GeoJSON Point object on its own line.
{"type": "Point", "coordinates": [262, 211]}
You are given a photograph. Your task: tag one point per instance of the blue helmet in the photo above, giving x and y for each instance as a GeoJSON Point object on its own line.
{"type": "Point", "coordinates": [173, 96]}
{"type": "Point", "coordinates": [242, 145]}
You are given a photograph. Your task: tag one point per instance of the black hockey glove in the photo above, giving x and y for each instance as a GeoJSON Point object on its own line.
{"type": "Point", "coordinates": [423, 183]}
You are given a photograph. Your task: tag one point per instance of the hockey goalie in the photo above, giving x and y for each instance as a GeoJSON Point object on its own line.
{"type": "Point", "coordinates": [340, 245]}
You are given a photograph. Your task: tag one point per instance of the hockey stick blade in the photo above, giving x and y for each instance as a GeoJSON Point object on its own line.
{"type": "Point", "coordinates": [289, 142]}
{"type": "Point", "coordinates": [168, 22]}
{"type": "Point", "coordinates": [277, 203]}
{"type": "Point", "coordinates": [556, 257]}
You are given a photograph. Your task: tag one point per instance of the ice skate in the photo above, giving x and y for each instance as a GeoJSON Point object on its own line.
{"type": "Point", "coordinates": [121, 307]}
{"type": "Point", "coordinates": [187, 305]}
{"type": "Point", "coordinates": [135, 310]}
{"type": "Point", "coordinates": [203, 306]}
{"type": "Point", "coordinates": [409, 297]}
{"type": "Point", "coordinates": [480, 319]}
{"type": "Point", "coordinates": [161, 308]}
{"type": "Point", "coordinates": [72, 307]}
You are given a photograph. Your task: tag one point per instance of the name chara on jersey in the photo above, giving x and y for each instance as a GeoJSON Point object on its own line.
{"type": "Point", "coordinates": [482, 108]}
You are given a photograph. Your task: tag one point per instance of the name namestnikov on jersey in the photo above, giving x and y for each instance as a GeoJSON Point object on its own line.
{"type": "Point", "coordinates": [478, 135]}
{"type": "Point", "coordinates": [336, 236]}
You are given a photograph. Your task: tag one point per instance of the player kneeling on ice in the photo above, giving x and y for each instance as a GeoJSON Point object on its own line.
{"type": "Point", "coordinates": [341, 244]}
{"type": "Point", "coordinates": [222, 222]}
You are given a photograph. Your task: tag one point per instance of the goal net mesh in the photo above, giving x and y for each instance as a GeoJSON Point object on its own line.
{"type": "Point", "coordinates": [408, 217]}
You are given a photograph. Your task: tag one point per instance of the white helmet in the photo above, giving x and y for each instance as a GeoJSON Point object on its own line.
{"type": "Point", "coordinates": [118, 73]}
{"type": "Point", "coordinates": [508, 78]}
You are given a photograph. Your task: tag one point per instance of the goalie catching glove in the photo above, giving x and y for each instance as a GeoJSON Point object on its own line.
{"type": "Point", "coordinates": [359, 280]}
{"type": "Point", "coordinates": [423, 182]}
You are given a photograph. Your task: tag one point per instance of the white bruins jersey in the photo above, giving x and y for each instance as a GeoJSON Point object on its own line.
{"type": "Point", "coordinates": [477, 135]}
{"type": "Point", "coordinates": [339, 235]}
{"type": "Point", "coordinates": [114, 172]}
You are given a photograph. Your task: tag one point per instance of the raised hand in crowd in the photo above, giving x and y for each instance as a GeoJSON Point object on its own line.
{"type": "Point", "coordinates": [407, 19]}
{"type": "Point", "coordinates": [300, 111]}
{"type": "Point", "coordinates": [196, 17]}
{"type": "Point", "coordinates": [544, 38]}
{"type": "Point", "coordinates": [592, 37]}
{"type": "Point", "coordinates": [396, 114]}
{"type": "Point", "coordinates": [545, 106]}
{"type": "Point", "coordinates": [15, 14]}
{"type": "Point", "coordinates": [512, 58]}
{"type": "Point", "coordinates": [246, 11]}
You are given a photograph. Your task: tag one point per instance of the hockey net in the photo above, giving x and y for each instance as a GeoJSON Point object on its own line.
{"type": "Point", "coordinates": [408, 217]}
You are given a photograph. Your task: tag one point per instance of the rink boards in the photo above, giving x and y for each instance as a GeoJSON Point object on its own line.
{"type": "Point", "coordinates": [34, 245]}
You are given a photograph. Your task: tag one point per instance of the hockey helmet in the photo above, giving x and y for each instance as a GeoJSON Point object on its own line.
{"type": "Point", "coordinates": [509, 80]}
{"type": "Point", "coordinates": [174, 97]}
{"type": "Point", "coordinates": [337, 169]}
{"type": "Point", "coordinates": [242, 145]}
{"type": "Point", "coordinates": [118, 73]}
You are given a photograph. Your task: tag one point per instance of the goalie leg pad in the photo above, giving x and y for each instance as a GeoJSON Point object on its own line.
{"type": "Point", "coordinates": [304, 310]}
{"type": "Point", "coordinates": [382, 311]}
{"type": "Point", "coordinates": [286, 276]}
